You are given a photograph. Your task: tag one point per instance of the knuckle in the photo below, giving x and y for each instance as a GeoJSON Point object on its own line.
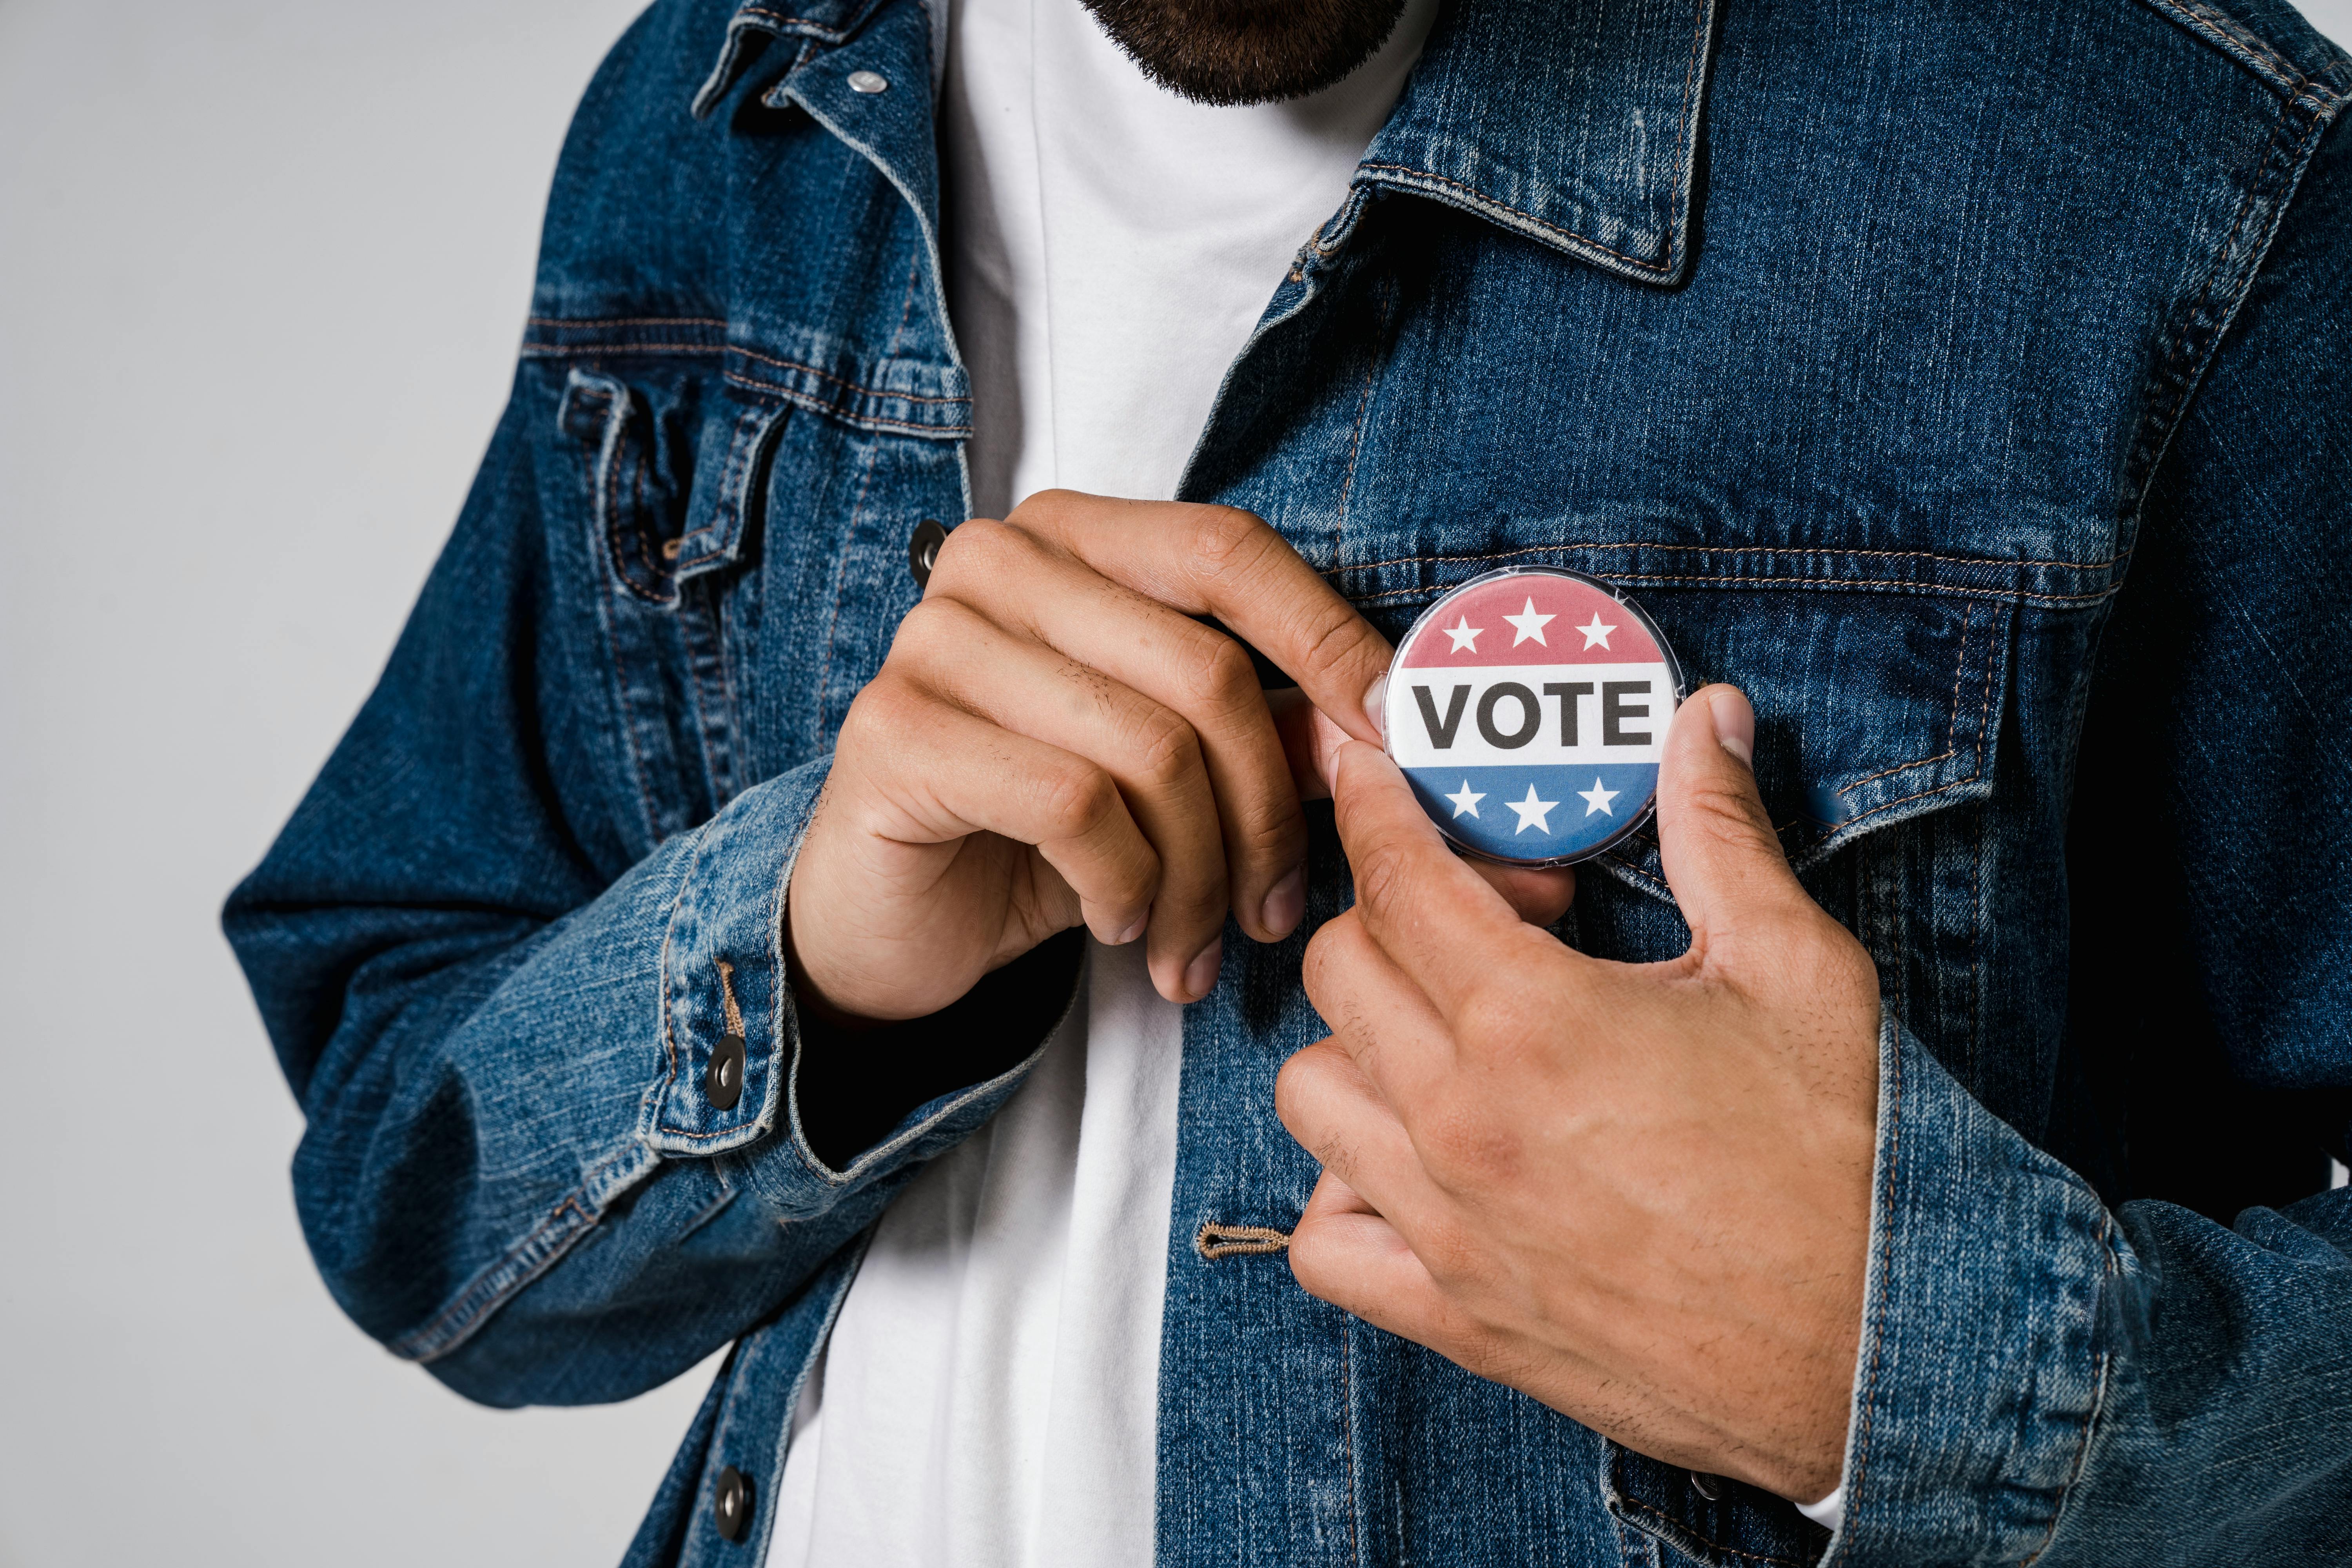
{"type": "Point", "coordinates": [1131, 885]}
{"type": "Point", "coordinates": [1225, 539]}
{"type": "Point", "coordinates": [884, 715]}
{"type": "Point", "coordinates": [1167, 753]}
{"type": "Point", "coordinates": [1292, 1085]}
{"type": "Point", "coordinates": [1314, 1262]}
{"type": "Point", "coordinates": [1272, 834]}
{"type": "Point", "coordinates": [1489, 1021]}
{"type": "Point", "coordinates": [1337, 639]}
{"type": "Point", "coordinates": [1320, 970]}
{"type": "Point", "coordinates": [935, 622]}
{"type": "Point", "coordinates": [1466, 1147]}
{"type": "Point", "coordinates": [1044, 508]}
{"type": "Point", "coordinates": [1448, 1251]}
{"type": "Point", "coordinates": [975, 553]}
{"type": "Point", "coordinates": [1077, 799]}
{"type": "Point", "coordinates": [1218, 678]}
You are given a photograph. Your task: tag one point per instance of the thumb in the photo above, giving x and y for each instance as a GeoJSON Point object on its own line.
{"type": "Point", "coordinates": [1721, 857]}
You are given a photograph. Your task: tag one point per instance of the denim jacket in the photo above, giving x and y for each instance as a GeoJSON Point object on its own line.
{"type": "Point", "coordinates": [1970, 383]}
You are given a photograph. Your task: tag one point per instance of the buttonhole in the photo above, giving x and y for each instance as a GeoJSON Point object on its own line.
{"type": "Point", "coordinates": [727, 997]}
{"type": "Point", "coordinates": [1215, 1241]}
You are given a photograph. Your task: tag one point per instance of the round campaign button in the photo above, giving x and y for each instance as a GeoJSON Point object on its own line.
{"type": "Point", "coordinates": [1528, 710]}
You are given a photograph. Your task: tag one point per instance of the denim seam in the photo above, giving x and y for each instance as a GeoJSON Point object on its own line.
{"type": "Point", "coordinates": [1348, 1435]}
{"type": "Point", "coordinates": [2237, 41]}
{"type": "Point", "coordinates": [1828, 552]}
{"type": "Point", "coordinates": [1363, 406]}
{"type": "Point", "coordinates": [792, 1392]}
{"type": "Point", "coordinates": [1678, 207]}
{"type": "Point", "coordinates": [728, 67]}
{"type": "Point", "coordinates": [613, 529]}
{"type": "Point", "coordinates": [1975, 939]}
{"type": "Point", "coordinates": [551, 1237]}
{"type": "Point", "coordinates": [1857, 584]}
{"type": "Point", "coordinates": [1686, 139]}
{"type": "Point", "coordinates": [1952, 736]}
{"type": "Point", "coordinates": [572, 351]}
{"type": "Point", "coordinates": [741, 461]}
{"type": "Point", "coordinates": [660, 1094]}
{"type": "Point", "coordinates": [2108, 1268]}
{"type": "Point", "coordinates": [593, 465]}
{"type": "Point", "coordinates": [1984, 712]}
{"type": "Point", "coordinates": [563, 324]}
{"type": "Point", "coordinates": [738, 1128]}
{"type": "Point", "coordinates": [2186, 367]}
{"type": "Point", "coordinates": [1682, 1527]}
{"type": "Point", "coordinates": [1481, 197]}
{"type": "Point", "coordinates": [864, 421]}
{"type": "Point", "coordinates": [1884, 1196]}
{"type": "Point", "coordinates": [852, 385]}
{"type": "Point", "coordinates": [1979, 772]}
{"type": "Point", "coordinates": [729, 720]}
{"type": "Point", "coordinates": [857, 510]}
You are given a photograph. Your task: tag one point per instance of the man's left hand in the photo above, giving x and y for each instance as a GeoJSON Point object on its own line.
{"type": "Point", "coordinates": [1640, 1193]}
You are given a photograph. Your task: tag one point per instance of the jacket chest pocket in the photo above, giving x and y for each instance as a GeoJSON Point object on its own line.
{"type": "Point", "coordinates": [660, 464]}
{"type": "Point", "coordinates": [1878, 718]}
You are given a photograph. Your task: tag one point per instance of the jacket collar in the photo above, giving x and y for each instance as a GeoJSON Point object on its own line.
{"type": "Point", "coordinates": [825, 23]}
{"type": "Point", "coordinates": [1576, 124]}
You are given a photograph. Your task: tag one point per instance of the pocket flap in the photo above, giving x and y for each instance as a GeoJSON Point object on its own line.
{"type": "Point", "coordinates": [731, 459]}
{"type": "Point", "coordinates": [1870, 707]}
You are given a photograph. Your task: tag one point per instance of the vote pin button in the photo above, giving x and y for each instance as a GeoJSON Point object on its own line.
{"type": "Point", "coordinates": [1528, 710]}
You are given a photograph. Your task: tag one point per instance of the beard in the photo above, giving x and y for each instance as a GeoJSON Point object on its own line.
{"type": "Point", "coordinates": [1228, 52]}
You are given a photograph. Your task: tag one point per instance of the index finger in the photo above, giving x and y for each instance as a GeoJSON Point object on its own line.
{"type": "Point", "coordinates": [1436, 919]}
{"type": "Point", "coordinates": [1224, 562]}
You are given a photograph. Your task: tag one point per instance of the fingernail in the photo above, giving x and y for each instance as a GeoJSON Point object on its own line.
{"type": "Point", "coordinates": [1201, 974]}
{"type": "Point", "coordinates": [1735, 724]}
{"type": "Point", "coordinates": [1375, 707]}
{"type": "Point", "coordinates": [1131, 933]}
{"type": "Point", "coordinates": [1287, 904]}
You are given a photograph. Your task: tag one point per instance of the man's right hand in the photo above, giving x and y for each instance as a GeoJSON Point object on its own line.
{"type": "Point", "coordinates": [1055, 740]}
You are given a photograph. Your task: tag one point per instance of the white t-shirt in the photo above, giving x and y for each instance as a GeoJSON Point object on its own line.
{"type": "Point", "coordinates": [990, 1395]}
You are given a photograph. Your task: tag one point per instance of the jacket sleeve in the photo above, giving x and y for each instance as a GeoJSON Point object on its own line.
{"type": "Point", "coordinates": [499, 969]}
{"type": "Point", "coordinates": [2049, 1377]}
{"type": "Point", "coordinates": [518, 1165]}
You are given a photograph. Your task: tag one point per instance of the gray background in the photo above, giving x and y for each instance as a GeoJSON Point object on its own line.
{"type": "Point", "coordinates": [262, 268]}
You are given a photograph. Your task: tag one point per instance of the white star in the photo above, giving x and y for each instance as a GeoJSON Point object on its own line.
{"type": "Point", "coordinates": [1530, 624]}
{"type": "Point", "coordinates": [1533, 813]}
{"type": "Point", "coordinates": [1463, 634]}
{"type": "Point", "coordinates": [1468, 801]}
{"type": "Point", "coordinates": [1596, 632]}
{"type": "Point", "coordinates": [1598, 799]}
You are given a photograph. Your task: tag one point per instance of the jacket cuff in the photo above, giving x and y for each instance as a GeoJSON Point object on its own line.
{"type": "Point", "coordinates": [1979, 1375]}
{"type": "Point", "coordinates": [732, 1039]}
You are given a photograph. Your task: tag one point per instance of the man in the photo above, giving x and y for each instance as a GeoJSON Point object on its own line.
{"type": "Point", "coordinates": [683, 947]}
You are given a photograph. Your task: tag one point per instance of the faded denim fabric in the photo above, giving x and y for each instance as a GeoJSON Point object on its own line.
{"type": "Point", "coordinates": [1971, 384]}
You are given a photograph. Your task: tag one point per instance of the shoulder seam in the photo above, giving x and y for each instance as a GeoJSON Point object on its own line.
{"type": "Point", "coordinates": [2208, 21]}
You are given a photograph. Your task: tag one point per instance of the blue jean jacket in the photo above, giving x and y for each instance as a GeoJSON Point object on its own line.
{"type": "Point", "coordinates": [1971, 384]}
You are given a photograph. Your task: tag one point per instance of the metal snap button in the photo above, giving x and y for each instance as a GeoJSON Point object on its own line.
{"type": "Point", "coordinates": [1706, 1486]}
{"type": "Point", "coordinates": [730, 1504]}
{"type": "Point", "coordinates": [722, 1080]}
{"type": "Point", "coordinates": [923, 550]}
{"type": "Point", "coordinates": [868, 81]}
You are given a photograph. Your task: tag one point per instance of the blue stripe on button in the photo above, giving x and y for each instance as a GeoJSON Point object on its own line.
{"type": "Point", "coordinates": [1574, 827]}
